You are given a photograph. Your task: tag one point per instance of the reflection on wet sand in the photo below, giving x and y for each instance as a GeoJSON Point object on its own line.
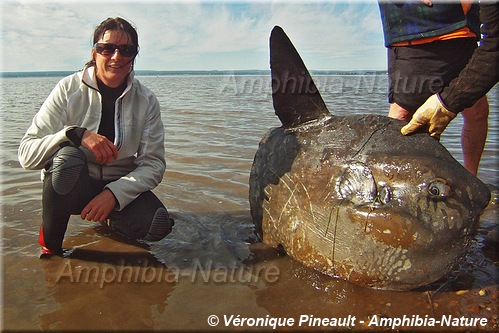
{"type": "Point", "coordinates": [207, 267]}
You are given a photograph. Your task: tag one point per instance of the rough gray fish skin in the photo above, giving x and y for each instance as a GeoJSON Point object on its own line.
{"type": "Point", "coordinates": [351, 196]}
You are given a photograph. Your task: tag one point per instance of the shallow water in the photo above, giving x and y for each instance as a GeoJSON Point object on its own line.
{"type": "Point", "coordinates": [207, 266]}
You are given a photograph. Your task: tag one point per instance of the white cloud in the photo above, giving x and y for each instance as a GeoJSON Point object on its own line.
{"type": "Point", "coordinates": [194, 35]}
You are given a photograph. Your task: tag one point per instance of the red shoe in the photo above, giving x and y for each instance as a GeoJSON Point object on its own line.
{"type": "Point", "coordinates": [46, 252]}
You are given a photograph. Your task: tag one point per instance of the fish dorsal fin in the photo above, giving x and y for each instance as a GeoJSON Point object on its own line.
{"type": "Point", "coordinates": [295, 96]}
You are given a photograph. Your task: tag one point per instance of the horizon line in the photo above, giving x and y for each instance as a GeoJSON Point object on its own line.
{"type": "Point", "coordinates": [191, 71]}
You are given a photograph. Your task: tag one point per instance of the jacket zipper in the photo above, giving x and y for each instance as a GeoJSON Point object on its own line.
{"type": "Point", "coordinates": [118, 125]}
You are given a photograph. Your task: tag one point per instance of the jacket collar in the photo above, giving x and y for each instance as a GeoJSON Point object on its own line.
{"type": "Point", "coordinates": [89, 78]}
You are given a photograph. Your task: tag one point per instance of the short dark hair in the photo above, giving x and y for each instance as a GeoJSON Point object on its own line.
{"type": "Point", "coordinates": [115, 24]}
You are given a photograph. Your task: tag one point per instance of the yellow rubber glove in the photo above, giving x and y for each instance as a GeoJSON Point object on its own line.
{"type": "Point", "coordinates": [432, 116]}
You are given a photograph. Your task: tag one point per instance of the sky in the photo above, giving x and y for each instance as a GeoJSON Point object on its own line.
{"type": "Point", "coordinates": [194, 35]}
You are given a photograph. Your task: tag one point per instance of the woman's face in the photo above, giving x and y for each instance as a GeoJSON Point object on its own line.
{"type": "Point", "coordinates": [112, 69]}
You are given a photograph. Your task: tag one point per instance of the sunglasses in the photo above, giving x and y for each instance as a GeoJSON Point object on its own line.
{"type": "Point", "coordinates": [107, 49]}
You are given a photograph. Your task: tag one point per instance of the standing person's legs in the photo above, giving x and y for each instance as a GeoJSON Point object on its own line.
{"type": "Point", "coordinates": [398, 112]}
{"type": "Point", "coordinates": [474, 134]}
{"type": "Point", "coordinates": [417, 72]}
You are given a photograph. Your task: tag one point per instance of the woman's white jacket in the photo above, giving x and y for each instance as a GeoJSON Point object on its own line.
{"type": "Point", "coordinates": [139, 133]}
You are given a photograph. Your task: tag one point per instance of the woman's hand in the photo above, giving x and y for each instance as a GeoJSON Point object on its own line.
{"type": "Point", "coordinates": [103, 149]}
{"type": "Point", "coordinates": [98, 208]}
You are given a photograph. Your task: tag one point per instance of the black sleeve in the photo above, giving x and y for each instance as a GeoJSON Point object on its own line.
{"type": "Point", "coordinates": [481, 72]}
{"type": "Point", "coordinates": [75, 135]}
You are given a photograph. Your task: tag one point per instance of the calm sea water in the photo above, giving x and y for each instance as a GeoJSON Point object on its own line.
{"type": "Point", "coordinates": [213, 125]}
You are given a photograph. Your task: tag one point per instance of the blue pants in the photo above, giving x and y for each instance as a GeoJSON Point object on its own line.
{"type": "Point", "coordinates": [67, 189]}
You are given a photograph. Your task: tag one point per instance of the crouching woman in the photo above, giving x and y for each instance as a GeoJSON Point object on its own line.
{"type": "Point", "coordinates": [99, 141]}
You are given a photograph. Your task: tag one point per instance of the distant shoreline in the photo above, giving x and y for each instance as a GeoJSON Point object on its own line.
{"type": "Point", "coordinates": [193, 72]}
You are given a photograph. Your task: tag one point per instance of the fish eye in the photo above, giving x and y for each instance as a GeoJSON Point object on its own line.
{"type": "Point", "coordinates": [438, 188]}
